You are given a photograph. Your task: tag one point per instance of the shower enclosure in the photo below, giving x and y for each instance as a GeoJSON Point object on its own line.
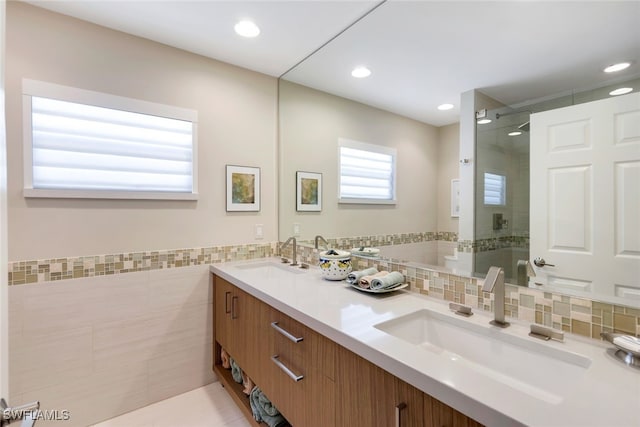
{"type": "Point", "coordinates": [502, 180]}
{"type": "Point", "coordinates": [502, 192]}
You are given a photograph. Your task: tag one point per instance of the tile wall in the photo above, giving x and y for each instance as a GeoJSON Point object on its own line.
{"type": "Point", "coordinates": [106, 343]}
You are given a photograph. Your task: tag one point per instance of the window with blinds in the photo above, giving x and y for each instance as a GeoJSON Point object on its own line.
{"type": "Point", "coordinates": [367, 173]}
{"type": "Point", "coordinates": [83, 144]}
{"type": "Point", "coordinates": [495, 189]}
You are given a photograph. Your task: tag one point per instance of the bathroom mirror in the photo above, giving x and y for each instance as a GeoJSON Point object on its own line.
{"type": "Point", "coordinates": [313, 118]}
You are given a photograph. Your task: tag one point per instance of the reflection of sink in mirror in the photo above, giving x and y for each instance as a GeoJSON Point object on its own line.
{"type": "Point", "coordinates": [531, 367]}
{"type": "Point", "coordinates": [271, 268]}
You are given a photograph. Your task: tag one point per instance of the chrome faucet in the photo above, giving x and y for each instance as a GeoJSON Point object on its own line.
{"type": "Point", "coordinates": [324, 241]}
{"type": "Point", "coordinates": [494, 282]}
{"type": "Point", "coordinates": [294, 260]}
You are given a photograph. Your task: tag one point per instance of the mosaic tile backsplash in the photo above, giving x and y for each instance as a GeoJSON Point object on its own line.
{"type": "Point", "coordinates": [567, 313]}
{"type": "Point", "coordinates": [387, 239]}
{"type": "Point", "coordinates": [21, 272]}
{"type": "Point", "coordinates": [570, 314]}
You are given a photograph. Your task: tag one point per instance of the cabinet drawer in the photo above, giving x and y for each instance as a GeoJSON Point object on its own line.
{"type": "Point", "coordinates": [308, 402]}
{"type": "Point", "coordinates": [299, 342]}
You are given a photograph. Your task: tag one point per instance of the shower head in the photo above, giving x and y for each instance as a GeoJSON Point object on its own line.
{"type": "Point", "coordinates": [524, 127]}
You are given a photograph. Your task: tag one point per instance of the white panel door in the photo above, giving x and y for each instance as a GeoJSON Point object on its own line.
{"type": "Point", "coordinates": [585, 197]}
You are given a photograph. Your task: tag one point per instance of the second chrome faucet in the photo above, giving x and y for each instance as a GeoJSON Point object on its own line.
{"type": "Point", "coordinates": [494, 282]}
{"type": "Point", "coordinates": [294, 248]}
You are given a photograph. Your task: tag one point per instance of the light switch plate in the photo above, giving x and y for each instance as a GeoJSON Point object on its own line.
{"type": "Point", "coordinates": [296, 229]}
{"type": "Point", "coordinates": [258, 231]}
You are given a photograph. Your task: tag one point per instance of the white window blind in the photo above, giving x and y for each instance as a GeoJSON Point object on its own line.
{"type": "Point", "coordinates": [85, 150]}
{"type": "Point", "coordinates": [367, 173]}
{"type": "Point", "coordinates": [494, 189]}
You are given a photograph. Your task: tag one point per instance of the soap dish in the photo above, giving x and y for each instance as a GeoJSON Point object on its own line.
{"type": "Point", "coordinates": [627, 355]}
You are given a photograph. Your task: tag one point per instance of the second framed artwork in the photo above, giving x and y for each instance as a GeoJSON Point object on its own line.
{"type": "Point", "coordinates": [308, 191]}
{"type": "Point", "coordinates": [243, 189]}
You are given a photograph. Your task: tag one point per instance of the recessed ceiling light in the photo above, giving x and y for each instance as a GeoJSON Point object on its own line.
{"type": "Point", "coordinates": [515, 133]}
{"type": "Point", "coordinates": [484, 121]}
{"type": "Point", "coordinates": [246, 29]}
{"type": "Point", "coordinates": [621, 91]}
{"type": "Point", "coordinates": [361, 72]}
{"type": "Point", "coordinates": [617, 67]}
{"type": "Point", "coordinates": [445, 107]}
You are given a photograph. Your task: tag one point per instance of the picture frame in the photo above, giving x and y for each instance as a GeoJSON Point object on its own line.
{"type": "Point", "coordinates": [455, 198]}
{"type": "Point", "coordinates": [243, 188]}
{"type": "Point", "coordinates": [308, 191]}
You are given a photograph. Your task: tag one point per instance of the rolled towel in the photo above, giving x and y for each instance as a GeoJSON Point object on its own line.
{"type": "Point", "coordinates": [247, 384]}
{"type": "Point", "coordinates": [365, 282]}
{"type": "Point", "coordinates": [224, 356]}
{"type": "Point", "coordinates": [383, 282]}
{"type": "Point", "coordinates": [264, 411]}
{"type": "Point", "coordinates": [236, 372]}
{"type": "Point", "coordinates": [355, 276]}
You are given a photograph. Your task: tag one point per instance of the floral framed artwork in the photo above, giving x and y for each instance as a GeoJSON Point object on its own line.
{"type": "Point", "coordinates": [243, 189]}
{"type": "Point", "coordinates": [308, 191]}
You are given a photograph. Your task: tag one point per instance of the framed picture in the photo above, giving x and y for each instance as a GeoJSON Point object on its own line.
{"type": "Point", "coordinates": [308, 191]}
{"type": "Point", "coordinates": [455, 198]}
{"type": "Point", "coordinates": [243, 189]}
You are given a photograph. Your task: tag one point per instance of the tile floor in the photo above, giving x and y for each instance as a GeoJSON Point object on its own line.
{"type": "Point", "coordinates": [208, 406]}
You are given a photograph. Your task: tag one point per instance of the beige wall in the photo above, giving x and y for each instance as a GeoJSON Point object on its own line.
{"type": "Point", "coordinates": [311, 123]}
{"type": "Point", "coordinates": [237, 125]}
{"type": "Point", "coordinates": [448, 169]}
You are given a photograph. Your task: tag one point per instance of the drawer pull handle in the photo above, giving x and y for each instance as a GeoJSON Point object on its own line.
{"type": "Point", "coordinates": [227, 309]}
{"type": "Point", "coordinates": [399, 409]}
{"type": "Point", "coordinates": [275, 359]}
{"type": "Point", "coordinates": [234, 311]}
{"type": "Point", "coordinates": [293, 338]}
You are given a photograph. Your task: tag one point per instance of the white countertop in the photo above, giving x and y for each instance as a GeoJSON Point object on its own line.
{"type": "Point", "coordinates": [607, 393]}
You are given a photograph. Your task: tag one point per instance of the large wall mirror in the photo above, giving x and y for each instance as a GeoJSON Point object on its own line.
{"type": "Point", "coordinates": [422, 55]}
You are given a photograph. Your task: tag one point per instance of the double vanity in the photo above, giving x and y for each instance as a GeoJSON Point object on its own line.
{"type": "Point", "coordinates": [327, 354]}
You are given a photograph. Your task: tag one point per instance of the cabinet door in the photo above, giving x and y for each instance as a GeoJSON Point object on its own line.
{"type": "Point", "coordinates": [437, 414]}
{"type": "Point", "coordinates": [236, 323]}
{"type": "Point", "coordinates": [370, 396]}
{"type": "Point", "coordinates": [408, 405]}
{"type": "Point", "coordinates": [223, 293]}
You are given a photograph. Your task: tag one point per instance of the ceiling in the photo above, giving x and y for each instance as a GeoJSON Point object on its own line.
{"type": "Point", "coordinates": [421, 53]}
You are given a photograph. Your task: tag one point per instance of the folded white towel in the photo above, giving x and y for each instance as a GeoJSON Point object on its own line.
{"type": "Point", "coordinates": [628, 343]}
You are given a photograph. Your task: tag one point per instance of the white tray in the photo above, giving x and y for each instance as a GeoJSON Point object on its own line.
{"type": "Point", "coordinates": [380, 291]}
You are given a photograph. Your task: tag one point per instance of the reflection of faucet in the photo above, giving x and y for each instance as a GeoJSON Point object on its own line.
{"type": "Point", "coordinates": [294, 260]}
{"type": "Point", "coordinates": [494, 282]}
{"type": "Point", "coordinates": [525, 271]}
{"type": "Point", "coordinates": [324, 241]}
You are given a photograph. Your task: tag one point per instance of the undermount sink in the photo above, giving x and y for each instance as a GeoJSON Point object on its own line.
{"type": "Point", "coordinates": [270, 268]}
{"type": "Point", "coordinates": [540, 370]}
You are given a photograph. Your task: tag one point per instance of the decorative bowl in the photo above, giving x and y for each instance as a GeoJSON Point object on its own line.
{"type": "Point", "coordinates": [335, 264]}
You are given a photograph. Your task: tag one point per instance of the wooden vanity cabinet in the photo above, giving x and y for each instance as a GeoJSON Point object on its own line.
{"type": "Point", "coordinates": [243, 327]}
{"type": "Point", "coordinates": [337, 388]}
